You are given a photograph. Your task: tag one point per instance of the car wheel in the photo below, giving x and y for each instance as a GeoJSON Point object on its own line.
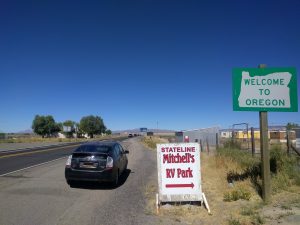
{"type": "Point", "coordinates": [117, 179]}
{"type": "Point", "coordinates": [71, 183]}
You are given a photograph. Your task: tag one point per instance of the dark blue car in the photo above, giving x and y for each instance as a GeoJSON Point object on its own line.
{"type": "Point", "coordinates": [101, 161]}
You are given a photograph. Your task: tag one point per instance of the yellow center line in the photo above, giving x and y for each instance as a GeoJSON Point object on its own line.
{"type": "Point", "coordinates": [32, 152]}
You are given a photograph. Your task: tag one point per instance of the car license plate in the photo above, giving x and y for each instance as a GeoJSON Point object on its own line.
{"type": "Point", "coordinates": [88, 165]}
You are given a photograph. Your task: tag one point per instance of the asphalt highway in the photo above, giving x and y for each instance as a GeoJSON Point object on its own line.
{"type": "Point", "coordinates": [13, 161]}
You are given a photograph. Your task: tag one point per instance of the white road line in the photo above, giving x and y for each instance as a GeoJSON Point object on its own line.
{"type": "Point", "coordinates": [2, 175]}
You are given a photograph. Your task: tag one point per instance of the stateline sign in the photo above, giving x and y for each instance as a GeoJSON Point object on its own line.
{"type": "Point", "coordinates": [179, 177]}
{"type": "Point", "coordinates": [267, 89]}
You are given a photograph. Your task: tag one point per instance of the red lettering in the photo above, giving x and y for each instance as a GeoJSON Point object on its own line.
{"type": "Point", "coordinates": [184, 173]}
{"type": "Point", "coordinates": [170, 173]}
{"type": "Point", "coordinates": [172, 158]}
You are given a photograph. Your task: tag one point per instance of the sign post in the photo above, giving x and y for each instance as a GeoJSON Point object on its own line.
{"type": "Point", "coordinates": [179, 176]}
{"type": "Point", "coordinates": [297, 132]}
{"type": "Point", "coordinates": [265, 89]}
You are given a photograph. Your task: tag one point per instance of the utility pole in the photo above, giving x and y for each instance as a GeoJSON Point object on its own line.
{"type": "Point", "coordinates": [265, 153]}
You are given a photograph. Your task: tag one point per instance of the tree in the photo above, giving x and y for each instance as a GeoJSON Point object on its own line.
{"type": "Point", "coordinates": [44, 125]}
{"type": "Point", "coordinates": [70, 126]}
{"type": "Point", "coordinates": [78, 130]}
{"type": "Point", "coordinates": [290, 126]}
{"type": "Point", "coordinates": [92, 125]}
{"type": "Point", "coordinates": [108, 132]}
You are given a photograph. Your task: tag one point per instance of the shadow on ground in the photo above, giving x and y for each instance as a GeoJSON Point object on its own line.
{"type": "Point", "coordinates": [254, 173]}
{"type": "Point", "coordinates": [102, 186]}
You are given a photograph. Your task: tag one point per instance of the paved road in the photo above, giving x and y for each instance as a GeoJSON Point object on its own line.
{"type": "Point", "coordinates": [18, 160]}
{"type": "Point", "coordinates": [6, 147]}
{"type": "Point", "coordinates": [41, 196]}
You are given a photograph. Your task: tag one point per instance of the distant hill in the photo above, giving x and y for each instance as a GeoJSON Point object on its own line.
{"type": "Point", "coordinates": [137, 130]}
{"type": "Point", "coordinates": [28, 131]}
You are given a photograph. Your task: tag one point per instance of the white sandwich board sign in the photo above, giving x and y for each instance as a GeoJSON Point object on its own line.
{"type": "Point", "coordinates": [179, 176]}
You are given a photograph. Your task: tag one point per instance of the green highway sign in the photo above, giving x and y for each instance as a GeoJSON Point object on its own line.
{"type": "Point", "coordinates": [265, 89]}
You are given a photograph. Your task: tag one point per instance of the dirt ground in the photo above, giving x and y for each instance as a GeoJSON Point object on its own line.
{"type": "Point", "coordinates": [283, 209]}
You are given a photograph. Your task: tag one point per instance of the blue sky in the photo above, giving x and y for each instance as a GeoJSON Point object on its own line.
{"type": "Point", "coordinates": [139, 63]}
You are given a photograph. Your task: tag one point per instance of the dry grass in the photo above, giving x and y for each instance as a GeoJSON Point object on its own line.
{"type": "Point", "coordinates": [151, 141]}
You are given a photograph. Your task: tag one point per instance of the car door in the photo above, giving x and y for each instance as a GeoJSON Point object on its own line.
{"type": "Point", "coordinates": [118, 156]}
{"type": "Point", "coordinates": [122, 156]}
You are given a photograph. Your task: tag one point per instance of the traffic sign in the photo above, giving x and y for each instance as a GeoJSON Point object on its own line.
{"type": "Point", "coordinates": [267, 89]}
{"type": "Point", "coordinates": [179, 175]}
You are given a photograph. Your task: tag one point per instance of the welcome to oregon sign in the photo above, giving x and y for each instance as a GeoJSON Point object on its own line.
{"type": "Point", "coordinates": [265, 89]}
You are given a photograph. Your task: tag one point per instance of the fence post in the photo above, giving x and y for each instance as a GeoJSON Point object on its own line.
{"type": "Point", "coordinates": [207, 144]}
{"type": "Point", "coordinates": [201, 146]}
{"type": "Point", "coordinates": [252, 141]}
{"type": "Point", "coordinates": [288, 142]}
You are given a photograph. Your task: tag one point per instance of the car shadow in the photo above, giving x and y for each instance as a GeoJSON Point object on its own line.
{"type": "Point", "coordinates": [101, 186]}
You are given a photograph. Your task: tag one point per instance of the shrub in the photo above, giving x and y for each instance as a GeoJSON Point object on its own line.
{"type": "Point", "coordinates": [236, 194]}
{"type": "Point", "coordinates": [233, 144]}
{"type": "Point", "coordinates": [243, 158]}
{"type": "Point", "coordinates": [284, 168]}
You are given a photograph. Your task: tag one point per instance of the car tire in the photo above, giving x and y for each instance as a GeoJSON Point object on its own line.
{"type": "Point", "coordinates": [71, 183]}
{"type": "Point", "coordinates": [116, 182]}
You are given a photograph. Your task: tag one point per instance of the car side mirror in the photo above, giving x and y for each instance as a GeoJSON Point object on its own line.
{"type": "Point", "coordinates": [126, 152]}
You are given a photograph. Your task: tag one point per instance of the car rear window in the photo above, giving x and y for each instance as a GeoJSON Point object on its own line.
{"type": "Point", "coordinates": [93, 148]}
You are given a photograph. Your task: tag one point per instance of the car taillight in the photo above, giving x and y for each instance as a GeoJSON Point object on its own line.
{"type": "Point", "coordinates": [109, 162]}
{"type": "Point", "coordinates": [68, 163]}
